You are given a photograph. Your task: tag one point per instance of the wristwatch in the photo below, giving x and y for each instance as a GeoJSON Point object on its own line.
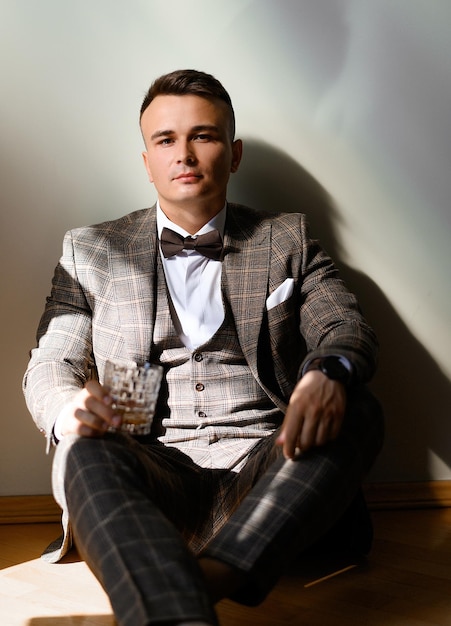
{"type": "Point", "coordinates": [334, 367]}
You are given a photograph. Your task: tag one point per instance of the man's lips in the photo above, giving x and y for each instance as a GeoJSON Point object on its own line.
{"type": "Point", "coordinates": [187, 176]}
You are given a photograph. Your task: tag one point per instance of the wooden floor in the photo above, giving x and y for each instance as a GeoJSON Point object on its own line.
{"type": "Point", "coordinates": [405, 582]}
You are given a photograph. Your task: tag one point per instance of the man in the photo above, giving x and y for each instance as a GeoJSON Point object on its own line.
{"type": "Point", "coordinates": [264, 428]}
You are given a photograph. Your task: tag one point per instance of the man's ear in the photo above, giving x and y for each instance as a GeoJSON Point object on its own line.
{"type": "Point", "coordinates": [146, 165]}
{"type": "Point", "coordinates": [237, 153]}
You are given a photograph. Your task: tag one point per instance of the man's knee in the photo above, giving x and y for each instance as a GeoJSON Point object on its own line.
{"type": "Point", "coordinates": [366, 421]}
{"type": "Point", "coordinates": [74, 453]}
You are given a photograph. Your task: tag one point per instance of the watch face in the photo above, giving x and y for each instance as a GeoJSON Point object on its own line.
{"type": "Point", "coordinates": [335, 370]}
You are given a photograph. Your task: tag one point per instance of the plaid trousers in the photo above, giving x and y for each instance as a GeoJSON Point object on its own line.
{"type": "Point", "coordinates": [141, 512]}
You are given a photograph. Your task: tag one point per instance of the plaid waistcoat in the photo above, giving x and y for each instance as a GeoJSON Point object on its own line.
{"type": "Point", "coordinates": [211, 407]}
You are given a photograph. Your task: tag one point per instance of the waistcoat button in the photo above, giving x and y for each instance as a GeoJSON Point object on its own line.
{"type": "Point", "coordinates": [198, 357]}
{"type": "Point", "coordinates": [200, 387]}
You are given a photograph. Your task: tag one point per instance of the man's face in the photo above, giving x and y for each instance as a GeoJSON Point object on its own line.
{"type": "Point", "coordinates": [189, 151]}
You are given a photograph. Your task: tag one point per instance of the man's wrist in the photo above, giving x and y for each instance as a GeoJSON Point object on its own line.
{"type": "Point", "coordinates": [335, 367]}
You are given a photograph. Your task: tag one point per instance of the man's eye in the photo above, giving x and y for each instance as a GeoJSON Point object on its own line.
{"type": "Point", "coordinates": [165, 141]}
{"type": "Point", "coordinates": [203, 137]}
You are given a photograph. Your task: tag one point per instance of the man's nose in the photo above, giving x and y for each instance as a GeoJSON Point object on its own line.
{"type": "Point", "coordinates": [186, 153]}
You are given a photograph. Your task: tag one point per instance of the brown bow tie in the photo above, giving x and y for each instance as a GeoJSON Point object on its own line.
{"type": "Point", "coordinates": [210, 244]}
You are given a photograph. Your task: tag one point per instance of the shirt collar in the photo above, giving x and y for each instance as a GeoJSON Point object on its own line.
{"type": "Point", "coordinates": [217, 222]}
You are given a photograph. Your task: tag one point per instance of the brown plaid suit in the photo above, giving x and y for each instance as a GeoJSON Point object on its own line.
{"type": "Point", "coordinates": [103, 306]}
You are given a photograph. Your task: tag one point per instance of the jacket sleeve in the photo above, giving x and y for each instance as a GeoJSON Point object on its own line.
{"type": "Point", "coordinates": [331, 321]}
{"type": "Point", "coordinates": [62, 361]}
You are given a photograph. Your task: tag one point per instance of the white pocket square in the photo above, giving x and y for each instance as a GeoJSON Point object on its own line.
{"type": "Point", "coordinates": [282, 293]}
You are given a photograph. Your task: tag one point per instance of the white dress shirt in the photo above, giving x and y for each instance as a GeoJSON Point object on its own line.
{"type": "Point", "coordinates": [194, 284]}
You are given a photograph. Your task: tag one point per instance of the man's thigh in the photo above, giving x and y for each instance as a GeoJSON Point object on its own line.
{"type": "Point", "coordinates": [284, 506]}
{"type": "Point", "coordinates": [141, 468]}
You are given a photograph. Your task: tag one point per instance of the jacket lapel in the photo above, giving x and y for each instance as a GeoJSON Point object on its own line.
{"type": "Point", "coordinates": [247, 248]}
{"type": "Point", "coordinates": [132, 264]}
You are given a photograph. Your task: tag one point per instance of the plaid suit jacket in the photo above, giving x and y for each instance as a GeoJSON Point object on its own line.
{"type": "Point", "coordinates": [102, 305]}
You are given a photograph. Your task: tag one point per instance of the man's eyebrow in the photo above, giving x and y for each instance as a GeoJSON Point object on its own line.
{"type": "Point", "coordinates": [161, 133]}
{"type": "Point", "coordinates": [199, 127]}
{"type": "Point", "coordinates": [195, 129]}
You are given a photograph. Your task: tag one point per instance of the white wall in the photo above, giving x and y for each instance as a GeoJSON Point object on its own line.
{"type": "Point", "coordinates": [344, 105]}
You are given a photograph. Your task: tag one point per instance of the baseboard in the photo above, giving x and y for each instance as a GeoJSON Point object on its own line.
{"type": "Point", "coordinates": [409, 495]}
{"type": "Point", "coordinates": [417, 495]}
{"type": "Point", "coordinates": [28, 509]}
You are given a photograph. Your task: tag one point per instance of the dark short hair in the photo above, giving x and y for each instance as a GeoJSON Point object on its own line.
{"type": "Point", "coordinates": [189, 82]}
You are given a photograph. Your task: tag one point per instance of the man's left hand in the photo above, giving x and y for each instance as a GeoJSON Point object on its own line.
{"type": "Point", "coordinates": [314, 415]}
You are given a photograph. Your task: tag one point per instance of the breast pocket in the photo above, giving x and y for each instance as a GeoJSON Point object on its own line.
{"type": "Point", "coordinates": [281, 294]}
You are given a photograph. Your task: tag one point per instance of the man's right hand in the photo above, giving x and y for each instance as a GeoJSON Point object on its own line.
{"type": "Point", "coordinates": [89, 414]}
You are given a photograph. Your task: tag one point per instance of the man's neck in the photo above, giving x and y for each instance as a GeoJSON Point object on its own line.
{"type": "Point", "coordinates": [190, 218]}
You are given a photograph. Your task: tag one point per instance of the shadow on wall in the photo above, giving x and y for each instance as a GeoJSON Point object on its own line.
{"type": "Point", "coordinates": [412, 388]}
